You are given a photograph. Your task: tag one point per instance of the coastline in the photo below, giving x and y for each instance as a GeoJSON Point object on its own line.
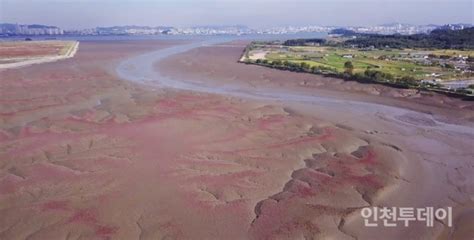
{"type": "Point", "coordinates": [23, 62]}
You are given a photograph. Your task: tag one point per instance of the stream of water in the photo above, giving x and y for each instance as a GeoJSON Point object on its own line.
{"type": "Point", "coordinates": [141, 69]}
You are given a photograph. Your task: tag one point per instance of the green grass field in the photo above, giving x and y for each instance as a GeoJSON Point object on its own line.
{"type": "Point", "coordinates": [399, 63]}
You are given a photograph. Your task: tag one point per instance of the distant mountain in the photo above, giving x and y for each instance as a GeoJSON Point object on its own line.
{"type": "Point", "coordinates": [38, 26]}
{"type": "Point", "coordinates": [457, 26]}
{"type": "Point", "coordinates": [343, 31]}
{"type": "Point", "coordinates": [400, 25]}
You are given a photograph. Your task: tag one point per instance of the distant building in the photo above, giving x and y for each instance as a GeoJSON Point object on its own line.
{"type": "Point", "coordinates": [29, 30]}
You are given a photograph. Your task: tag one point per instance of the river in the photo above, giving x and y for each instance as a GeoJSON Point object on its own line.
{"type": "Point", "coordinates": [141, 69]}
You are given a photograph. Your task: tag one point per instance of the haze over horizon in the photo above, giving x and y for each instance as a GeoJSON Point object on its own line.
{"type": "Point", "coordinates": [75, 14]}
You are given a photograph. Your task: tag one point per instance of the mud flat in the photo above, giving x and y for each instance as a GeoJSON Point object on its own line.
{"type": "Point", "coordinates": [200, 147]}
{"type": "Point", "coordinates": [21, 54]}
{"type": "Point", "coordinates": [420, 126]}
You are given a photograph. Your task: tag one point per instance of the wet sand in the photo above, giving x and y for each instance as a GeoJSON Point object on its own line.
{"type": "Point", "coordinates": [87, 155]}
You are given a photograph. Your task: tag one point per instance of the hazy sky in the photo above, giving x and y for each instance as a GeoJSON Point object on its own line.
{"type": "Point", "coordinates": [70, 14]}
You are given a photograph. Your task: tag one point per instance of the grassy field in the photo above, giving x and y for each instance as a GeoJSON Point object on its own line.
{"type": "Point", "coordinates": [399, 63]}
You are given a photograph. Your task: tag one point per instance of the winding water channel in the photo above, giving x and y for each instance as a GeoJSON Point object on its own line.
{"type": "Point", "coordinates": [141, 69]}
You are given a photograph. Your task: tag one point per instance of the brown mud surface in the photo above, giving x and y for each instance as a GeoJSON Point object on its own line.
{"type": "Point", "coordinates": [85, 155]}
{"type": "Point", "coordinates": [31, 49]}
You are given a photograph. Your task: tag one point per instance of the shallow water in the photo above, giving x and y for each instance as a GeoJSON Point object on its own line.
{"type": "Point", "coordinates": [141, 69]}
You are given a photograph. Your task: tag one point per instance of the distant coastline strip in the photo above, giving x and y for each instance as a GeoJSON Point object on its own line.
{"type": "Point", "coordinates": [23, 62]}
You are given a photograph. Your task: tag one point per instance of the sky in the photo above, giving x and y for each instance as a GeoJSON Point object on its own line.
{"type": "Point", "coordinates": [78, 14]}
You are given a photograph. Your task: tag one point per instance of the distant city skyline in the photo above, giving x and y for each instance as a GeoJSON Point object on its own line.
{"type": "Point", "coordinates": [78, 14]}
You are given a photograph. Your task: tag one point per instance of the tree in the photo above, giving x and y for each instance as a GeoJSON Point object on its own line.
{"type": "Point", "coordinates": [304, 66]}
{"type": "Point", "coordinates": [349, 67]}
{"type": "Point", "coordinates": [277, 63]}
{"type": "Point", "coordinates": [407, 80]}
{"type": "Point", "coordinates": [449, 66]}
{"type": "Point", "coordinates": [315, 69]}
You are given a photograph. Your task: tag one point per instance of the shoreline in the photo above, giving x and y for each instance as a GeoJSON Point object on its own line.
{"type": "Point", "coordinates": [47, 59]}
{"type": "Point", "coordinates": [443, 91]}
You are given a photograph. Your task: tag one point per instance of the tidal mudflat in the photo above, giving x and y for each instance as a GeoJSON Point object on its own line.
{"type": "Point", "coordinates": [14, 54]}
{"type": "Point", "coordinates": [175, 140]}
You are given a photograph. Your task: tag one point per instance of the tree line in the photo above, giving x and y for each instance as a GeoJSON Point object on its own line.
{"type": "Point", "coordinates": [370, 75]}
{"type": "Point", "coordinates": [436, 39]}
{"type": "Point", "coordinates": [439, 38]}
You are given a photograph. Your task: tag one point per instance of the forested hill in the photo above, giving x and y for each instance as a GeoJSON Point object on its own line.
{"type": "Point", "coordinates": [440, 38]}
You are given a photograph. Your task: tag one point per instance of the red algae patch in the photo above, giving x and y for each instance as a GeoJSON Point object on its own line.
{"type": "Point", "coordinates": [55, 206]}
{"type": "Point", "coordinates": [84, 216]}
{"type": "Point", "coordinates": [105, 231]}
